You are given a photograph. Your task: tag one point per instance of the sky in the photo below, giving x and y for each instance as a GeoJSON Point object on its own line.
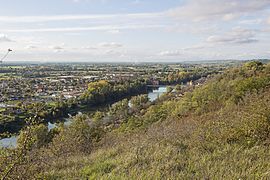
{"type": "Point", "coordinates": [134, 30]}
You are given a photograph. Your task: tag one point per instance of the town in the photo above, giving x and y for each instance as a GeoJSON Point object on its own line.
{"type": "Point", "coordinates": [47, 83]}
{"type": "Point", "coordinates": [24, 86]}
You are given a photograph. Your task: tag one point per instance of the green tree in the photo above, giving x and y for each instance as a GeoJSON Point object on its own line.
{"type": "Point", "coordinates": [39, 136]}
{"type": "Point", "coordinates": [138, 102]}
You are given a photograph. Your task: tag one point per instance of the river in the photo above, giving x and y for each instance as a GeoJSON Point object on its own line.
{"type": "Point", "coordinates": [12, 141]}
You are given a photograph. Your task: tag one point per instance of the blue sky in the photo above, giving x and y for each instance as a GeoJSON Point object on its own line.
{"type": "Point", "coordinates": [134, 30]}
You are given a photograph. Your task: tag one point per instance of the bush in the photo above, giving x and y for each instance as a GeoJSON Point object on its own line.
{"type": "Point", "coordinates": [36, 136]}
{"type": "Point", "coordinates": [79, 137]}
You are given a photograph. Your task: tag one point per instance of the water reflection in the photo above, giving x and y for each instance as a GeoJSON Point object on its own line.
{"type": "Point", "coordinates": [12, 141]}
{"type": "Point", "coordinates": [9, 142]}
{"type": "Point", "coordinates": [157, 93]}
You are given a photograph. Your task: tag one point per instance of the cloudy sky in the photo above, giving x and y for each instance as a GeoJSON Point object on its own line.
{"type": "Point", "coordinates": [134, 30]}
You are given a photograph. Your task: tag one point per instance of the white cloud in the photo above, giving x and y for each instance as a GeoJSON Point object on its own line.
{"type": "Point", "coordinates": [57, 48]}
{"type": "Point", "coordinates": [5, 38]}
{"type": "Point", "coordinates": [229, 16]}
{"type": "Point", "coordinates": [38, 19]}
{"type": "Point", "coordinates": [268, 21]}
{"type": "Point", "coordinates": [188, 28]}
{"type": "Point", "coordinates": [114, 31]}
{"type": "Point", "coordinates": [110, 45]}
{"type": "Point", "coordinates": [92, 28]}
{"type": "Point", "coordinates": [237, 36]}
{"type": "Point", "coordinates": [104, 47]}
{"type": "Point", "coordinates": [89, 48]}
{"type": "Point", "coordinates": [79, 1]}
{"type": "Point", "coordinates": [31, 47]}
{"type": "Point", "coordinates": [175, 29]}
{"type": "Point", "coordinates": [171, 53]}
{"type": "Point", "coordinates": [245, 55]}
{"type": "Point", "coordinates": [198, 10]}
{"type": "Point", "coordinates": [251, 21]}
{"type": "Point", "coordinates": [111, 52]}
{"type": "Point", "coordinates": [196, 47]}
{"type": "Point", "coordinates": [137, 2]}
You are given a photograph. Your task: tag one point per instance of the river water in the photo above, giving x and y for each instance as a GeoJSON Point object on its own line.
{"type": "Point", "coordinates": [12, 141]}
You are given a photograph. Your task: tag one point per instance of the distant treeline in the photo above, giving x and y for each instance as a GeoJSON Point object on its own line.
{"type": "Point", "coordinates": [98, 93]}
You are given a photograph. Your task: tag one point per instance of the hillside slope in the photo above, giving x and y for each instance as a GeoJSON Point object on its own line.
{"type": "Point", "coordinates": [220, 130]}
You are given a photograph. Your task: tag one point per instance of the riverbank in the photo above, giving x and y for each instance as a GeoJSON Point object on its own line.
{"type": "Point", "coordinates": [152, 92]}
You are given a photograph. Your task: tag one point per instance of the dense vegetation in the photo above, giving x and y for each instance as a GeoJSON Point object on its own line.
{"type": "Point", "coordinates": [182, 76]}
{"type": "Point", "coordinates": [219, 130]}
{"type": "Point", "coordinates": [99, 92]}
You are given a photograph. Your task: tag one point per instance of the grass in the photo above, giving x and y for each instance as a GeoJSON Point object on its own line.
{"type": "Point", "coordinates": [152, 160]}
{"type": "Point", "coordinates": [225, 144]}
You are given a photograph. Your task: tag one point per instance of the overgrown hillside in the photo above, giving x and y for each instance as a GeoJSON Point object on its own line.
{"type": "Point", "coordinates": [220, 130]}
